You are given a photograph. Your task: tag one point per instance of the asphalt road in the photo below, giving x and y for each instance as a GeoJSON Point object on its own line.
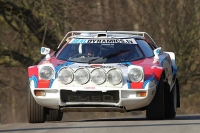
{"type": "Point", "coordinates": [135, 124]}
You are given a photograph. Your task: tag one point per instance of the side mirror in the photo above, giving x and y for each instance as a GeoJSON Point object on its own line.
{"type": "Point", "coordinates": [157, 52]}
{"type": "Point", "coordinates": [45, 51]}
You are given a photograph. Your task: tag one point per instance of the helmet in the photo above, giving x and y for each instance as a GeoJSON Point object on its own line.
{"type": "Point", "coordinates": [91, 49]}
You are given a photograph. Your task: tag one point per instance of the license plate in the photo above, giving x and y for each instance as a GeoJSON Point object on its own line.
{"type": "Point", "coordinates": [90, 96]}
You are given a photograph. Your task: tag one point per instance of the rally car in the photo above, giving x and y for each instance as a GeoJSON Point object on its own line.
{"type": "Point", "coordinates": [103, 71]}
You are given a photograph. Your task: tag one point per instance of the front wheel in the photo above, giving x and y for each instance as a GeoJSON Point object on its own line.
{"type": "Point", "coordinates": [156, 109]}
{"type": "Point", "coordinates": [36, 113]}
{"type": "Point", "coordinates": [171, 103]}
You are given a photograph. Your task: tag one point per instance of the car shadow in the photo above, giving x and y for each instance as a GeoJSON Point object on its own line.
{"type": "Point", "coordinates": [140, 118]}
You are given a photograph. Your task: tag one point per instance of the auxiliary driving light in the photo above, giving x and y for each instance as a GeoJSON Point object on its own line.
{"type": "Point", "coordinates": [81, 75]}
{"type": "Point", "coordinates": [98, 76]}
{"type": "Point", "coordinates": [115, 76]}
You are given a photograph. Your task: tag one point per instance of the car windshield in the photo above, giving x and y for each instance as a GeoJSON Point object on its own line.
{"type": "Point", "coordinates": [100, 52]}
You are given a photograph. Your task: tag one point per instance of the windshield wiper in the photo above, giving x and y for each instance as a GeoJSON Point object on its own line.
{"type": "Point", "coordinates": [89, 62]}
{"type": "Point", "coordinates": [109, 55]}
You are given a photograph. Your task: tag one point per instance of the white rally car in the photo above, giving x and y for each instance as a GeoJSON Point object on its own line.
{"type": "Point", "coordinates": [103, 71]}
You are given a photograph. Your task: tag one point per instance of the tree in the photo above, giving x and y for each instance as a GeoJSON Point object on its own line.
{"type": "Point", "coordinates": [26, 25]}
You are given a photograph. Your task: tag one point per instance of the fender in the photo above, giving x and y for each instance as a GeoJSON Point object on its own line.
{"type": "Point", "coordinates": [154, 70]}
{"type": "Point", "coordinates": [33, 71]}
{"type": "Point", "coordinates": [172, 56]}
{"type": "Point", "coordinates": [33, 75]}
{"type": "Point", "coordinates": [158, 72]}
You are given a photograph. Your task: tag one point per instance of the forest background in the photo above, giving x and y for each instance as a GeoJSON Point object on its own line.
{"type": "Point", "coordinates": [27, 25]}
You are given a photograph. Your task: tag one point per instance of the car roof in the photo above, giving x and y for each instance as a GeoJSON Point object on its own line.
{"type": "Point", "coordinates": [106, 35]}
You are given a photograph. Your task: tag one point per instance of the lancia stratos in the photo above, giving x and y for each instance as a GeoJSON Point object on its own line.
{"type": "Point", "coordinates": [103, 71]}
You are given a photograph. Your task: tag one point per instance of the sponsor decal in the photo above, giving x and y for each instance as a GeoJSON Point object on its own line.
{"type": "Point", "coordinates": [130, 41]}
{"type": "Point", "coordinates": [89, 87]}
{"type": "Point", "coordinates": [97, 66]}
{"type": "Point", "coordinates": [78, 41]}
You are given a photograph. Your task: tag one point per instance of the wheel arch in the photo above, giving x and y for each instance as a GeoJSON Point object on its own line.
{"type": "Point", "coordinates": [32, 71]}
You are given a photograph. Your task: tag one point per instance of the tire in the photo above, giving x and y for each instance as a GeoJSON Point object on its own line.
{"type": "Point", "coordinates": [156, 109]}
{"type": "Point", "coordinates": [36, 113]}
{"type": "Point", "coordinates": [171, 103]}
{"type": "Point", "coordinates": [54, 115]}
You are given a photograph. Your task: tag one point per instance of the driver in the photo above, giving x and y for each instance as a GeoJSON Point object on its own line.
{"type": "Point", "coordinates": [127, 54]}
{"type": "Point", "coordinates": [91, 50]}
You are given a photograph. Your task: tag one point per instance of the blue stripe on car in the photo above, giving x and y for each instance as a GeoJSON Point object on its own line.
{"type": "Point", "coordinates": [174, 69]}
{"type": "Point", "coordinates": [149, 80]}
{"type": "Point", "coordinates": [68, 63]}
{"type": "Point", "coordinates": [129, 84]}
{"type": "Point", "coordinates": [59, 66]}
{"type": "Point", "coordinates": [35, 79]}
{"type": "Point", "coordinates": [126, 63]}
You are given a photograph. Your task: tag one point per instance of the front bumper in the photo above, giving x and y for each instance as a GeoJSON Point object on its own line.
{"type": "Point", "coordinates": [128, 99]}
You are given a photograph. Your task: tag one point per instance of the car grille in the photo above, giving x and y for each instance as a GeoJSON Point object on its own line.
{"type": "Point", "coordinates": [89, 96]}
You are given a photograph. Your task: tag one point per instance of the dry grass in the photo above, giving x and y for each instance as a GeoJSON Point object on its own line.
{"type": "Point", "coordinates": [189, 105]}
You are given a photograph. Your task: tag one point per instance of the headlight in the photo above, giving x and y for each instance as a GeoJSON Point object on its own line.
{"type": "Point", "coordinates": [65, 76]}
{"type": "Point", "coordinates": [81, 76]}
{"type": "Point", "coordinates": [135, 75]}
{"type": "Point", "coordinates": [98, 76]}
{"type": "Point", "coordinates": [115, 76]}
{"type": "Point", "coordinates": [46, 72]}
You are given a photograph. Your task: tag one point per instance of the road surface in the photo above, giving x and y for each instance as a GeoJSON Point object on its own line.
{"type": "Point", "coordinates": [134, 124]}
